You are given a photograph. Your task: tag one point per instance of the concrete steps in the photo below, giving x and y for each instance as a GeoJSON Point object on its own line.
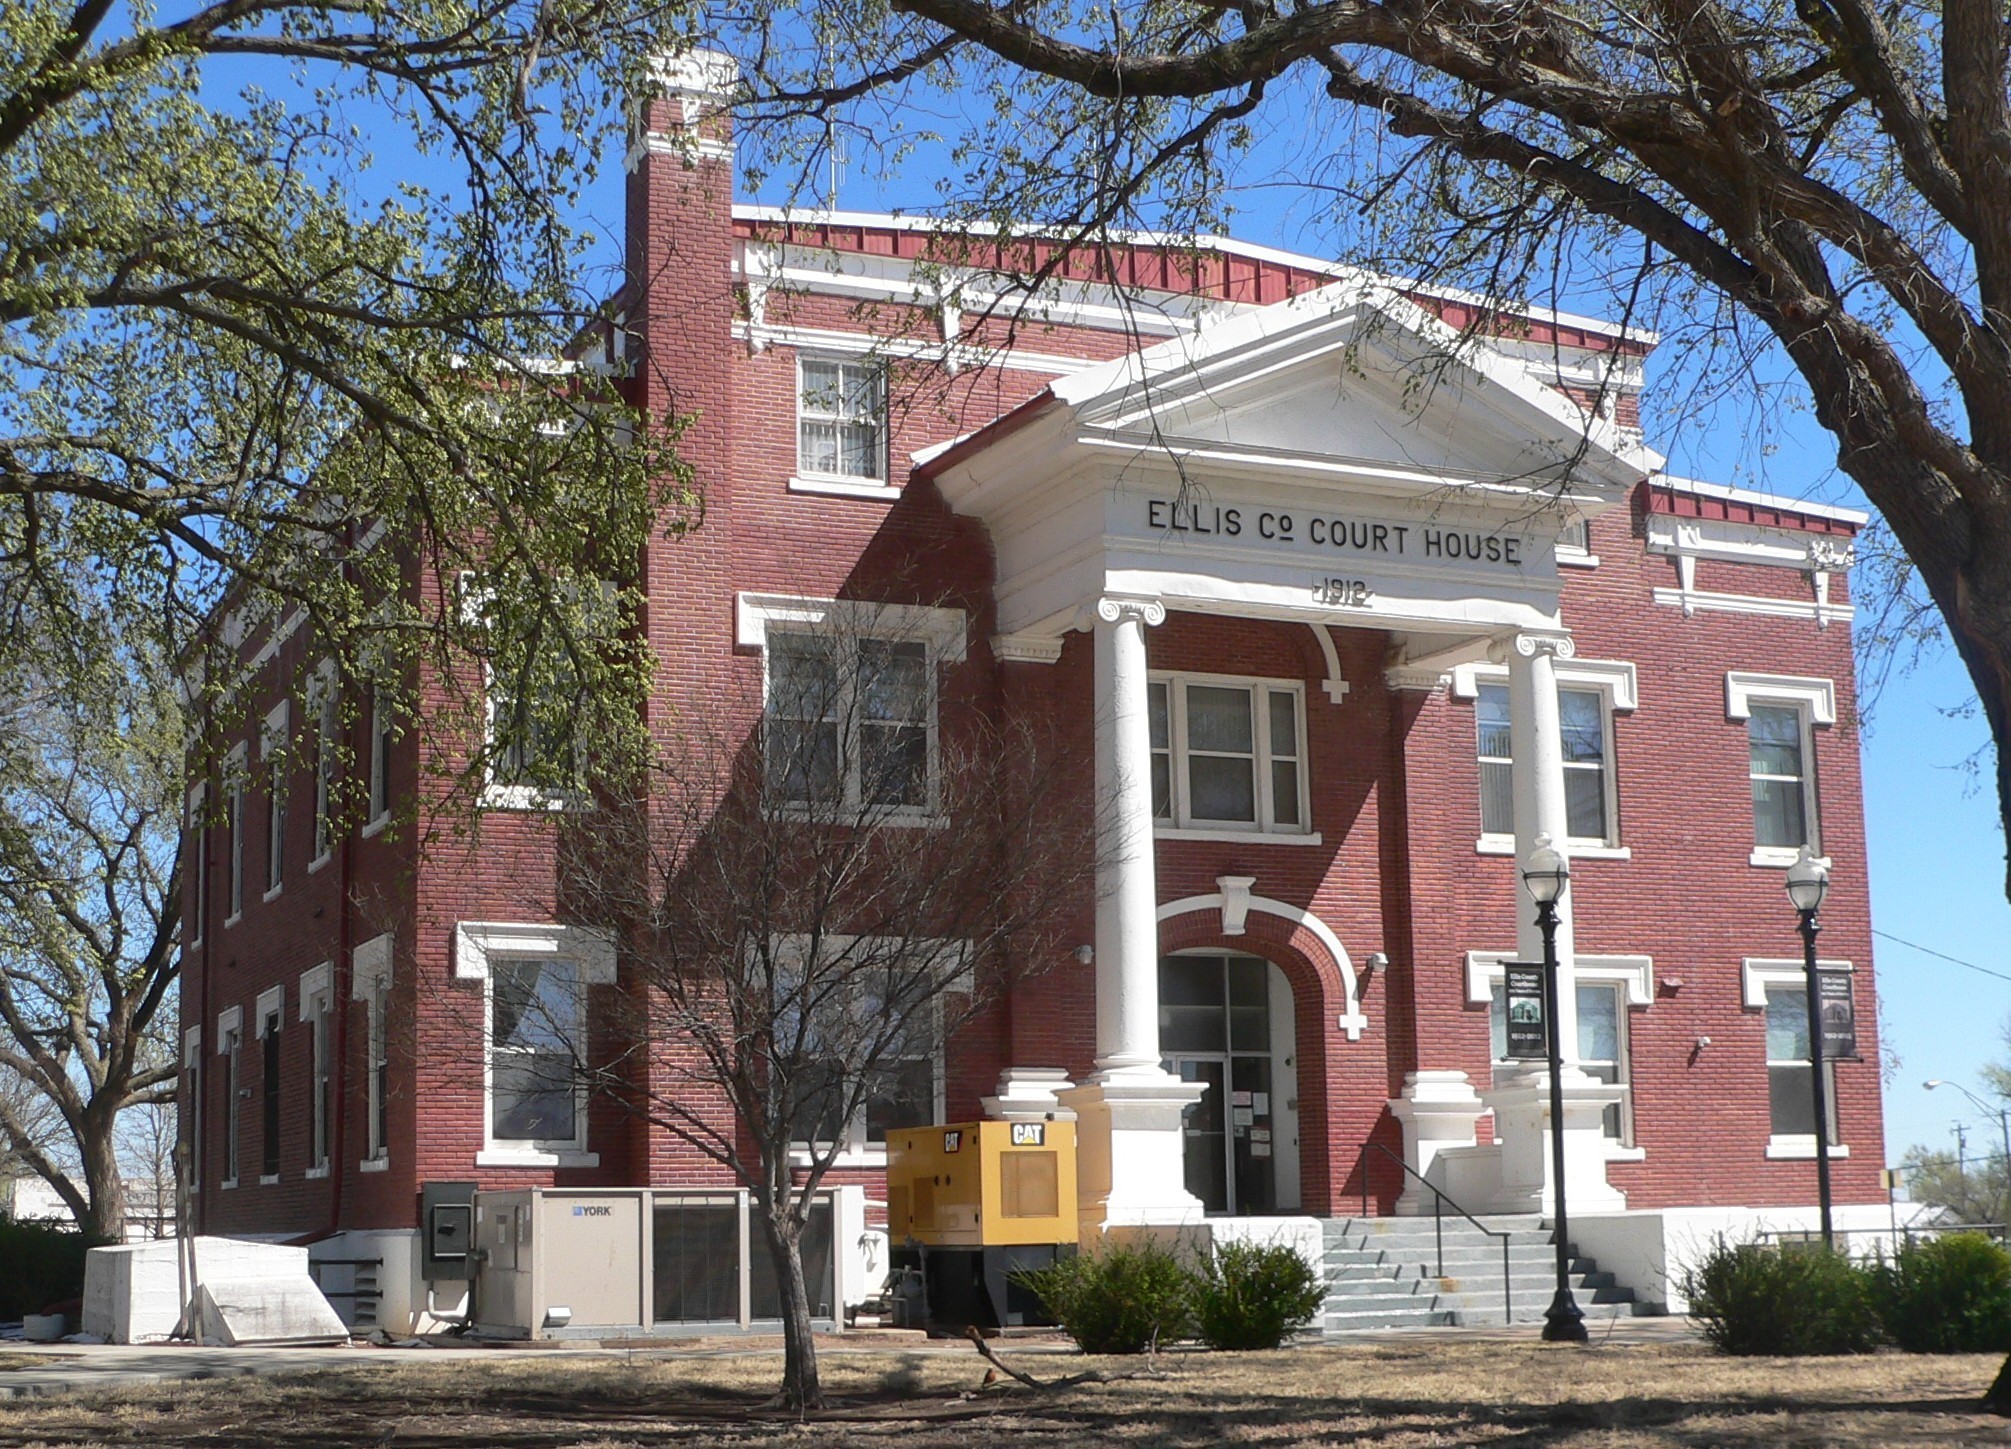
{"type": "Point", "coordinates": [1394, 1273]}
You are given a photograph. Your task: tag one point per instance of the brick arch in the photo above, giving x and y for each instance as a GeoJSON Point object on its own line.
{"type": "Point", "coordinates": [1324, 1013]}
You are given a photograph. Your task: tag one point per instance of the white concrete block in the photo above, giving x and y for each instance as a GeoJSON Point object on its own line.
{"type": "Point", "coordinates": [133, 1291]}
{"type": "Point", "coordinates": [234, 1312]}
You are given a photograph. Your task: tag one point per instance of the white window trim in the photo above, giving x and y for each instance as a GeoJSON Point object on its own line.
{"type": "Point", "coordinates": [476, 945]}
{"type": "Point", "coordinates": [198, 827]}
{"type": "Point", "coordinates": [808, 480]}
{"type": "Point", "coordinates": [273, 739]}
{"type": "Point", "coordinates": [324, 706]}
{"type": "Point", "coordinates": [370, 983]}
{"type": "Point", "coordinates": [234, 768]}
{"type": "Point", "coordinates": [316, 1003]}
{"type": "Point", "coordinates": [1815, 699]}
{"type": "Point", "coordinates": [856, 1151]}
{"type": "Point", "coordinates": [380, 792]}
{"type": "Point", "coordinates": [1618, 683]}
{"type": "Point", "coordinates": [942, 632]}
{"type": "Point", "coordinates": [229, 1046]}
{"type": "Point", "coordinates": [1185, 826]}
{"type": "Point", "coordinates": [1756, 974]}
{"type": "Point", "coordinates": [1635, 974]}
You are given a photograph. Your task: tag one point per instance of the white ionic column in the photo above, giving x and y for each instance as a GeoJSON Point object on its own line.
{"type": "Point", "coordinates": [1130, 1148]}
{"type": "Point", "coordinates": [1521, 1100]}
{"type": "Point", "coordinates": [1536, 743]}
{"type": "Point", "coordinates": [1127, 903]}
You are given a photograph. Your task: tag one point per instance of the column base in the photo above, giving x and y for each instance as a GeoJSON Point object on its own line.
{"type": "Point", "coordinates": [1131, 1167]}
{"type": "Point", "coordinates": [1521, 1106]}
{"type": "Point", "coordinates": [1438, 1110]}
{"type": "Point", "coordinates": [1029, 1094]}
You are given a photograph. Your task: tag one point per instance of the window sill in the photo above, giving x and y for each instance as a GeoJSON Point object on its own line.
{"type": "Point", "coordinates": [270, 1180]}
{"type": "Point", "coordinates": [374, 1164]}
{"type": "Point", "coordinates": [229, 921]}
{"type": "Point", "coordinates": [227, 1184]}
{"type": "Point", "coordinates": [1617, 1153]}
{"type": "Point", "coordinates": [1576, 559]}
{"type": "Point", "coordinates": [533, 799]}
{"type": "Point", "coordinates": [1778, 856]}
{"type": "Point", "coordinates": [374, 826]}
{"type": "Point", "coordinates": [314, 1174]}
{"type": "Point", "coordinates": [1254, 837]}
{"type": "Point", "coordinates": [868, 1156]}
{"type": "Point", "coordinates": [272, 895]}
{"type": "Point", "coordinates": [1800, 1149]}
{"type": "Point", "coordinates": [535, 1157]}
{"type": "Point", "coordinates": [1575, 849]}
{"type": "Point", "coordinates": [859, 818]}
{"type": "Point", "coordinates": [841, 487]}
{"type": "Point", "coordinates": [318, 862]}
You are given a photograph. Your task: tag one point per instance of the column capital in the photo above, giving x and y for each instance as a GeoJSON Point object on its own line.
{"type": "Point", "coordinates": [1530, 643]}
{"type": "Point", "coordinates": [1118, 608]}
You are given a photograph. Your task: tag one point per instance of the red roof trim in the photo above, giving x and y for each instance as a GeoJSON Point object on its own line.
{"type": "Point", "coordinates": [1733, 510]}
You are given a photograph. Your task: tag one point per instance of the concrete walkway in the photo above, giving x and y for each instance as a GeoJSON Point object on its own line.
{"type": "Point", "coordinates": [67, 1368]}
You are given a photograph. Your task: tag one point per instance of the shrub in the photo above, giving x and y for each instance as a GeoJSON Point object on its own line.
{"type": "Point", "coordinates": [1122, 1299]}
{"type": "Point", "coordinates": [40, 1265]}
{"type": "Point", "coordinates": [1256, 1295]}
{"type": "Point", "coordinates": [1752, 1298]}
{"type": "Point", "coordinates": [1946, 1295]}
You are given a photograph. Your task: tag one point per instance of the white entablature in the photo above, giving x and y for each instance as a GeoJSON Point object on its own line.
{"type": "Point", "coordinates": [1282, 464]}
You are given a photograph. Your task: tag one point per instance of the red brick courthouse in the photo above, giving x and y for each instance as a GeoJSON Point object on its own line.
{"type": "Point", "coordinates": [1345, 625]}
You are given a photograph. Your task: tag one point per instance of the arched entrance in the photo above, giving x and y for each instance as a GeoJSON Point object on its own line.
{"type": "Point", "coordinates": [1226, 1019]}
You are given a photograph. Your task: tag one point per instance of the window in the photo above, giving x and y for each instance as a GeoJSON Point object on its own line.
{"type": "Point", "coordinates": [851, 722]}
{"type": "Point", "coordinates": [272, 751]}
{"type": "Point", "coordinates": [383, 735]}
{"type": "Point", "coordinates": [198, 1158]}
{"type": "Point", "coordinates": [1589, 693]}
{"type": "Point", "coordinates": [230, 1046]}
{"type": "Point", "coordinates": [1780, 783]}
{"type": "Point", "coordinates": [1790, 1079]}
{"type": "Point", "coordinates": [534, 760]}
{"type": "Point", "coordinates": [1497, 764]}
{"type": "Point", "coordinates": [235, 823]}
{"type": "Point", "coordinates": [1780, 713]}
{"type": "Point", "coordinates": [370, 983]}
{"type": "Point", "coordinates": [326, 724]}
{"type": "Point", "coordinates": [536, 1091]}
{"type": "Point", "coordinates": [268, 1031]}
{"type": "Point", "coordinates": [1602, 1040]}
{"type": "Point", "coordinates": [535, 979]}
{"type": "Point", "coordinates": [841, 419]}
{"type": "Point", "coordinates": [903, 1090]}
{"type": "Point", "coordinates": [316, 1015]}
{"type": "Point", "coordinates": [1228, 754]}
{"type": "Point", "coordinates": [199, 863]}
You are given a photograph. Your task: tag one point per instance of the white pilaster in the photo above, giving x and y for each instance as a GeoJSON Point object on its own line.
{"type": "Point", "coordinates": [1131, 1166]}
{"type": "Point", "coordinates": [1536, 743]}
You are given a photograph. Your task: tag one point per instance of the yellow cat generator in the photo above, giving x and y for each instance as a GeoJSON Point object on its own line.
{"type": "Point", "coordinates": [970, 1203]}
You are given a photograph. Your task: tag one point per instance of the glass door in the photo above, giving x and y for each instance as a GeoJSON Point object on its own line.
{"type": "Point", "coordinates": [1202, 1134]}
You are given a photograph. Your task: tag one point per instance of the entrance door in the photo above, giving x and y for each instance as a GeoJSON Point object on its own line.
{"type": "Point", "coordinates": [1215, 1028]}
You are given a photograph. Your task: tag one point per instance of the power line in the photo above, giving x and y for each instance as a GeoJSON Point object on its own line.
{"type": "Point", "coordinates": [1940, 955]}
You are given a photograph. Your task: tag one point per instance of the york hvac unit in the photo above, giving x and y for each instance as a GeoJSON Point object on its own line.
{"type": "Point", "coordinates": [969, 1204]}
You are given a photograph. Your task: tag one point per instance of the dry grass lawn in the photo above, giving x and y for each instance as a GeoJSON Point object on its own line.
{"type": "Point", "coordinates": [1383, 1394]}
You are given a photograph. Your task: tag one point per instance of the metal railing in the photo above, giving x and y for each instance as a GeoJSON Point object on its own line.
{"type": "Point", "coordinates": [1439, 1203]}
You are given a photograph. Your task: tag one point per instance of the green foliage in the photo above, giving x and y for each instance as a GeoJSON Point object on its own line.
{"type": "Point", "coordinates": [40, 1266]}
{"type": "Point", "coordinates": [1118, 1300]}
{"type": "Point", "coordinates": [1755, 1298]}
{"type": "Point", "coordinates": [1255, 1296]}
{"type": "Point", "coordinates": [1946, 1295]}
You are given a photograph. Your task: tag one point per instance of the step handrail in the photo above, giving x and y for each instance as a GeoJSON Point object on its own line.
{"type": "Point", "coordinates": [1439, 1202]}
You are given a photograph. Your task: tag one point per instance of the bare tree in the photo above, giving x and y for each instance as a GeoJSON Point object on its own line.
{"type": "Point", "coordinates": [812, 896]}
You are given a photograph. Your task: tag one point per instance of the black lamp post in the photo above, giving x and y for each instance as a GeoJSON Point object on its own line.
{"type": "Point", "coordinates": [1808, 880]}
{"type": "Point", "coordinates": [1546, 874]}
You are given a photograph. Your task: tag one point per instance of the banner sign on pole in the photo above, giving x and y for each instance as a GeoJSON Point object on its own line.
{"type": "Point", "coordinates": [1526, 1039]}
{"type": "Point", "coordinates": [1838, 1011]}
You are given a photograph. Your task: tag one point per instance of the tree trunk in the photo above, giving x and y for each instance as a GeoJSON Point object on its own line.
{"type": "Point", "coordinates": [800, 1386]}
{"type": "Point", "coordinates": [104, 1188]}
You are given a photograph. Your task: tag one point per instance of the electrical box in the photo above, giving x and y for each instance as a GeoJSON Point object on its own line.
{"type": "Point", "coordinates": [982, 1184]}
{"type": "Point", "coordinates": [447, 1232]}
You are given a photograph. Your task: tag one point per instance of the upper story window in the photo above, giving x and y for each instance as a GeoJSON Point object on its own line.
{"type": "Point", "coordinates": [199, 872]}
{"type": "Point", "coordinates": [383, 737]}
{"type": "Point", "coordinates": [850, 703]}
{"type": "Point", "coordinates": [327, 724]}
{"type": "Point", "coordinates": [534, 759]}
{"type": "Point", "coordinates": [1229, 753]}
{"type": "Point", "coordinates": [841, 411]}
{"type": "Point", "coordinates": [1590, 692]}
{"type": "Point", "coordinates": [234, 822]}
{"type": "Point", "coordinates": [273, 752]}
{"type": "Point", "coordinates": [1780, 716]}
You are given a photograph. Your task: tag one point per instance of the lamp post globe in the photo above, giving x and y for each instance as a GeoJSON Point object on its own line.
{"type": "Point", "coordinates": [1546, 874]}
{"type": "Point", "coordinates": [1807, 882]}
